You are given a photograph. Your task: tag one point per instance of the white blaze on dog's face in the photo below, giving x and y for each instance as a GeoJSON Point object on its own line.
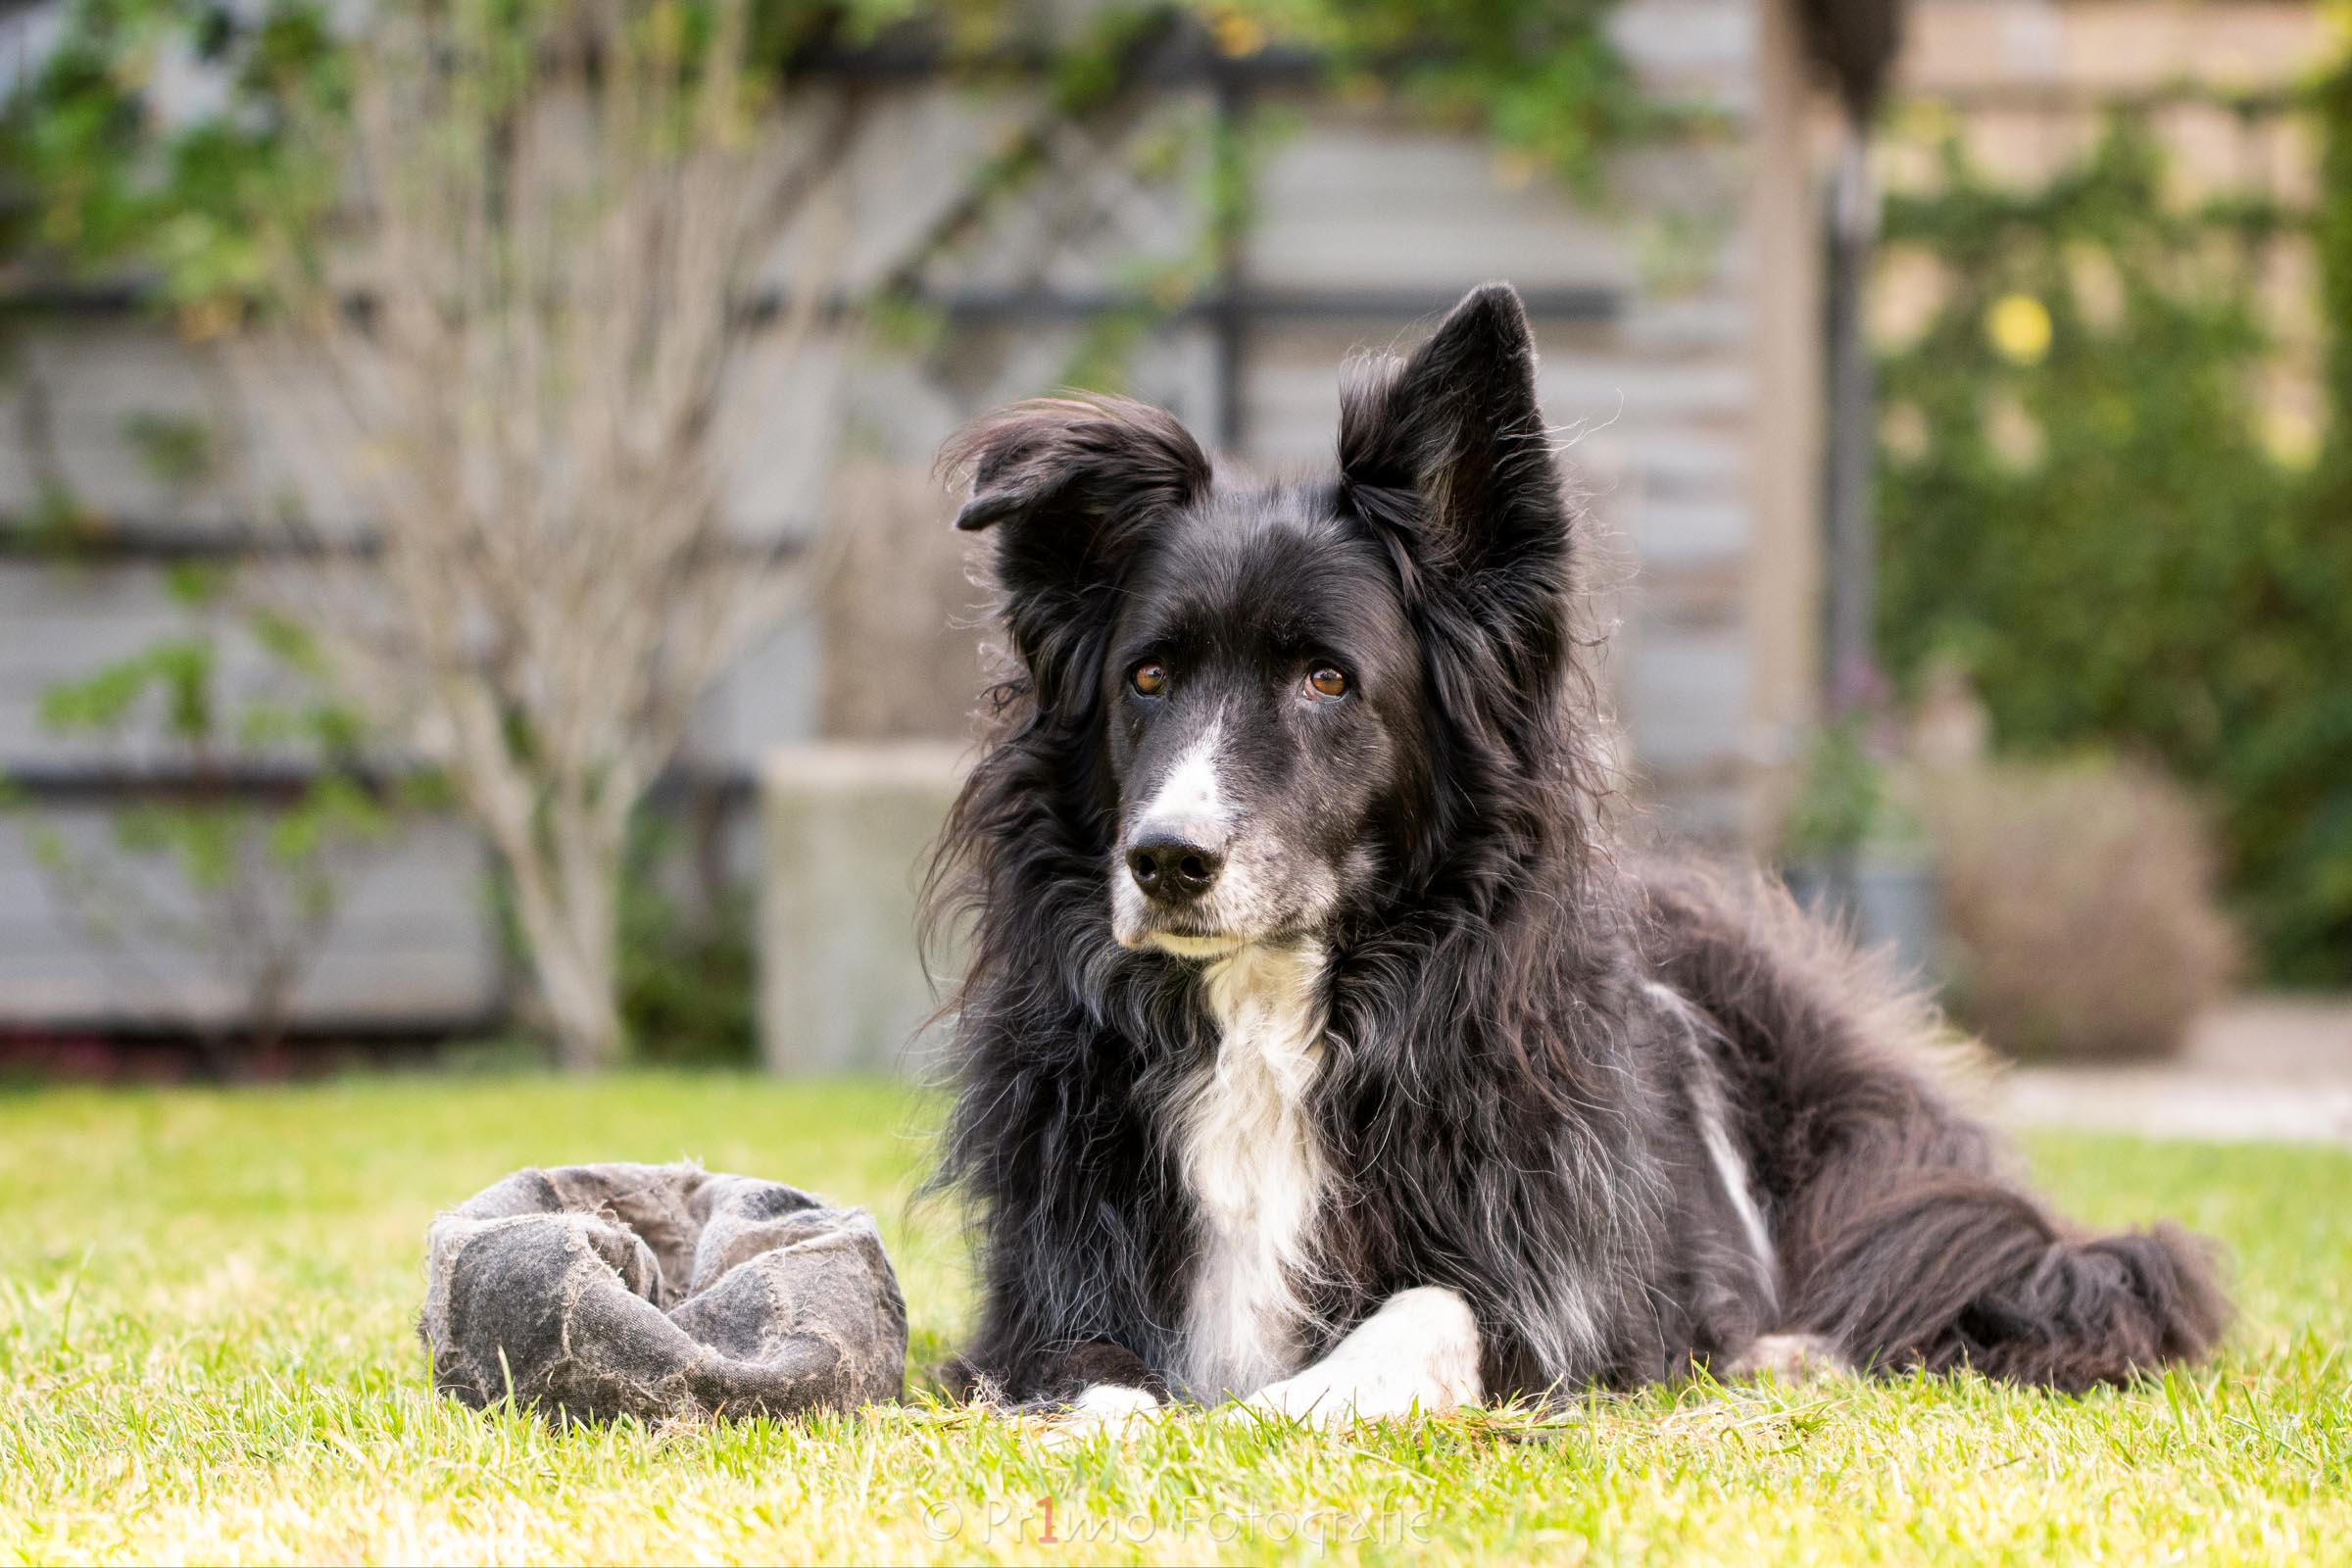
{"type": "Point", "coordinates": [1261, 687]}
{"type": "Point", "coordinates": [1247, 661]}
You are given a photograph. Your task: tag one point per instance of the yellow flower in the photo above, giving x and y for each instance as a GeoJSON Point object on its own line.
{"type": "Point", "coordinates": [1236, 35]}
{"type": "Point", "coordinates": [2019, 325]}
{"type": "Point", "coordinates": [2336, 27]}
{"type": "Point", "coordinates": [2291, 436]}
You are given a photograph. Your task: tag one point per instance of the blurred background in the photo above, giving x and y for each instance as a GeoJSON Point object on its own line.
{"type": "Point", "coordinates": [473, 585]}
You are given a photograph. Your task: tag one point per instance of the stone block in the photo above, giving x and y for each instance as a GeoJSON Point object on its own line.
{"type": "Point", "coordinates": [847, 832]}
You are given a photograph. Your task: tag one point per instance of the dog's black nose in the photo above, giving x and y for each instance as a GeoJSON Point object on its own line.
{"type": "Point", "coordinates": [1174, 870]}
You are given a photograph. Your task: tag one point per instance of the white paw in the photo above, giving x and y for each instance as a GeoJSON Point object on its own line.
{"type": "Point", "coordinates": [1324, 1397]}
{"type": "Point", "coordinates": [1104, 1407]}
{"type": "Point", "coordinates": [1417, 1355]}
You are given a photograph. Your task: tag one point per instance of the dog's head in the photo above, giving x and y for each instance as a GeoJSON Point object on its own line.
{"type": "Point", "coordinates": [1286, 685]}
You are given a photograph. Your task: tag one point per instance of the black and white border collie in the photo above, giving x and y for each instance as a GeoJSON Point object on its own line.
{"type": "Point", "coordinates": [1318, 1047]}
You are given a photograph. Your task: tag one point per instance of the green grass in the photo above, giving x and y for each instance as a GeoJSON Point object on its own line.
{"type": "Point", "coordinates": [206, 1355]}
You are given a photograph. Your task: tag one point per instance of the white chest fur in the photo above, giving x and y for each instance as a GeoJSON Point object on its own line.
{"type": "Point", "coordinates": [1255, 1173]}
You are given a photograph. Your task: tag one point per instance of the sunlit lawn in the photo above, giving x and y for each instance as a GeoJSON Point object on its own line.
{"type": "Point", "coordinates": [206, 1355]}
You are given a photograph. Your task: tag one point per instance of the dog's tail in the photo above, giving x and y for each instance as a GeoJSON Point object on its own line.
{"type": "Point", "coordinates": [1902, 1236]}
{"type": "Point", "coordinates": [1958, 1271]}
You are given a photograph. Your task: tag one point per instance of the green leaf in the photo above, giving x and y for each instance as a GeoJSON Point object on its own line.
{"type": "Point", "coordinates": [196, 584]}
{"type": "Point", "coordinates": [175, 450]}
{"type": "Point", "coordinates": [290, 642]}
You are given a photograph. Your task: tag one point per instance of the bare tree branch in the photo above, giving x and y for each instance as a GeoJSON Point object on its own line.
{"type": "Point", "coordinates": [557, 229]}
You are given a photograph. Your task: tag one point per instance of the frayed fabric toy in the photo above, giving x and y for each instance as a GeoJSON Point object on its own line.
{"type": "Point", "coordinates": [661, 1292]}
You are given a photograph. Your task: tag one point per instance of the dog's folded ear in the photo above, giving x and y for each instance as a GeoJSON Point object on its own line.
{"type": "Point", "coordinates": [1071, 485]}
{"type": "Point", "coordinates": [1448, 446]}
{"type": "Point", "coordinates": [1079, 466]}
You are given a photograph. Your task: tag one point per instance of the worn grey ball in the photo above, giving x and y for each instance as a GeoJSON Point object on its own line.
{"type": "Point", "coordinates": [661, 1292]}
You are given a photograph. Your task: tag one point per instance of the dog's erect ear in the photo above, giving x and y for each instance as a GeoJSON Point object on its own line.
{"type": "Point", "coordinates": [1071, 486]}
{"type": "Point", "coordinates": [1448, 446]}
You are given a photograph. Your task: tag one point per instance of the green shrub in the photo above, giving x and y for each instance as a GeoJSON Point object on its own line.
{"type": "Point", "coordinates": [2077, 905]}
{"type": "Point", "coordinates": [2087, 509]}
{"type": "Point", "coordinates": [688, 970]}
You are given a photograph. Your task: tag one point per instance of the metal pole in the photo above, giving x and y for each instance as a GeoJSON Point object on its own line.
{"type": "Point", "coordinates": [1849, 666]}
{"type": "Point", "coordinates": [1849, 663]}
{"type": "Point", "coordinates": [1231, 324]}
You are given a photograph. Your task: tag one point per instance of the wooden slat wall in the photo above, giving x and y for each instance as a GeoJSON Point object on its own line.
{"type": "Point", "coordinates": [1657, 390]}
{"type": "Point", "coordinates": [411, 945]}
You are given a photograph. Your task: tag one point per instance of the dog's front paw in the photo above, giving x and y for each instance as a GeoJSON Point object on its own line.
{"type": "Point", "coordinates": [1307, 1400]}
{"type": "Point", "coordinates": [1104, 1407]}
{"type": "Point", "coordinates": [1325, 1397]}
{"type": "Point", "coordinates": [1417, 1355]}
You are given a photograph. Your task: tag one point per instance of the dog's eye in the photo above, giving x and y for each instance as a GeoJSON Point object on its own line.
{"type": "Point", "coordinates": [1149, 678]}
{"type": "Point", "coordinates": [1326, 680]}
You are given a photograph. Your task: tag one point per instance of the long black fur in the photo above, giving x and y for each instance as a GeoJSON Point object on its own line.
{"type": "Point", "coordinates": [1516, 1011]}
